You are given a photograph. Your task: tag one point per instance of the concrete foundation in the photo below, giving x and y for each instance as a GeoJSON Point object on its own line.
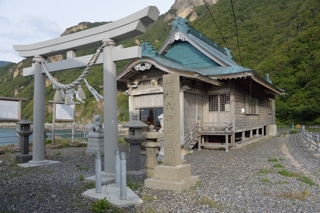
{"type": "Point", "coordinates": [105, 178]}
{"type": "Point", "coordinates": [112, 194]}
{"type": "Point", "coordinates": [271, 130]}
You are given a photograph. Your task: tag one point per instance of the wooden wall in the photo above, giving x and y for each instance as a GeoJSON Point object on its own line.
{"type": "Point", "coordinates": [244, 87]}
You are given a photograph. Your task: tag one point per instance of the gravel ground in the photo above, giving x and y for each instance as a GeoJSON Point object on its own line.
{"type": "Point", "coordinates": [242, 180]}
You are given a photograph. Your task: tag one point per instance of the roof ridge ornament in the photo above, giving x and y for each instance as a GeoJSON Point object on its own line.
{"type": "Point", "coordinates": [147, 48]}
{"type": "Point", "coordinates": [180, 23]}
{"type": "Point", "coordinates": [268, 79]}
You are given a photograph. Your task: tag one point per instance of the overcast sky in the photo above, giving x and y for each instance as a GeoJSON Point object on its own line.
{"type": "Point", "coordinates": [32, 21]}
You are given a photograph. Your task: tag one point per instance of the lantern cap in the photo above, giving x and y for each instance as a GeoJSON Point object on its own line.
{"type": "Point", "coordinates": [135, 124]}
{"type": "Point", "coordinates": [24, 121]}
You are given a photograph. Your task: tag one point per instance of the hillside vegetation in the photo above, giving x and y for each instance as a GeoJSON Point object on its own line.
{"type": "Point", "coordinates": [279, 37]}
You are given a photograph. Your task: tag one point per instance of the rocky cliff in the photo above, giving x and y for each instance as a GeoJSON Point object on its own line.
{"type": "Point", "coordinates": [185, 8]}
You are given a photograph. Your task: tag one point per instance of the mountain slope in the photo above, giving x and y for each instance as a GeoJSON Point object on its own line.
{"type": "Point", "coordinates": [279, 37]}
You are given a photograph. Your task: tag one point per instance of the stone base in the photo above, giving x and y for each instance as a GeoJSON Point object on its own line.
{"type": "Point", "coordinates": [150, 172]}
{"type": "Point", "coordinates": [178, 186]}
{"type": "Point", "coordinates": [23, 158]}
{"type": "Point", "coordinates": [37, 163]}
{"type": "Point", "coordinates": [136, 176]}
{"type": "Point", "coordinates": [112, 194]}
{"type": "Point", "coordinates": [176, 178]}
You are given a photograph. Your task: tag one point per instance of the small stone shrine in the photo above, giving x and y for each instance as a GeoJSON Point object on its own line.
{"type": "Point", "coordinates": [95, 136]}
{"type": "Point", "coordinates": [173, 175]}
{"type": "Point", "coordinates": [135, 138]}
{"type": "Point", "coordinates": [24, 131]}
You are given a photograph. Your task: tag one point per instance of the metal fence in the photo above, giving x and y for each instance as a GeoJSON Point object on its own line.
{"type": "Point", "coordinates": [62, 131]}
{"type": "Point", "coordinates": [311, 139]}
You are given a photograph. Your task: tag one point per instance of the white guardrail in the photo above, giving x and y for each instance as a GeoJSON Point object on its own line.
{"type": "Point", "coordinates": [312, 139]}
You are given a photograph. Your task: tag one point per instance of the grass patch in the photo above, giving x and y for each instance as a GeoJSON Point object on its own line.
{"type": "Point", "coordinates": [282, 159]}
{"type": "Point", "coordinates": [294, 132]}
{"type": "Point", "coordinates": [283, 182]}
{"type": "Point", "coordinates": [288, 173]}
{"type": "Point", "coordinates": [100, 206]}
{"type": "Point", "coordinates": [266, 180]}
{"type": "Point", "coordinates": [206, 201]}
{"type": "Point", "coordinates": [49, 171]}
{"type": "Point", "coordinates": [89, 185]}
{"type": "Point", "coordinates": [278, 165]}
{"type": "Point", "coordinates": [273, 160]}
{"type": "Point", "coordinates": [133, 185]}
{"type": "Point", "coordinates": [82, 168]}
{"type": "Point", "coordinates": [264, 171]}
{"type": "Point", "coordinates": [295, 195]}
{"type": "Point", "coordinates": [148, 199]}
{"type": "Point", "coordinates": [58, 154]}
{"type": "Point", "coordinates": [81, 177]}
{"type": "Point", "coordinates": [307, 180]}
{"type": "Point", "coordinates": [78, 204]}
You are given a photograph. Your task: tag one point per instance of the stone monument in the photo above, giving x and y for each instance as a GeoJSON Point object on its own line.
{"type": "Point", "coordinates": [95, 136]}
{"type": "Point", "coordinates": [172, 175]}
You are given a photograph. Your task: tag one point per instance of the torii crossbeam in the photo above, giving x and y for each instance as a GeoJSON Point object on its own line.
{"type": "Point", "coordinates": [122, 29]}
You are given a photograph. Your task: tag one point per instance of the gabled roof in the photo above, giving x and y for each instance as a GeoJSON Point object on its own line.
{"type": "Point", "coordinates": [183, 32]}
{"type": "Point", "coordinates": [189, 53]}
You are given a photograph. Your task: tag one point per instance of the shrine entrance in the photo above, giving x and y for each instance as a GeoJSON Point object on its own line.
{"type": "Point", "coordinates": [106, 36]}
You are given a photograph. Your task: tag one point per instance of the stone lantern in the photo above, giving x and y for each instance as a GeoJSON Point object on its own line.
{"type": "Point", "coordinates": [135, 138]}
{"type": "Point", "coordinates": [24, 131]}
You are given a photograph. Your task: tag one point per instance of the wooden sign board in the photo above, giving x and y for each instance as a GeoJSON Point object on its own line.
{"type": "Point", "coordinates": [65, 112]}
{"type": "Point", "coordinates": [9, 110]}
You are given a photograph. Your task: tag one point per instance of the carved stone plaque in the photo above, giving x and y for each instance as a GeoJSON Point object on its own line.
{"type": "Point", "coordinates": [171, 111]}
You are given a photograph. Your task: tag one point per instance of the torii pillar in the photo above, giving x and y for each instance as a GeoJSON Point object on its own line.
{"type": "Point", "coordinates": [119, 30]}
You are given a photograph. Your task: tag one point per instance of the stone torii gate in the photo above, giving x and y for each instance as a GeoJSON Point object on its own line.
{"type": "Point", "coordinates": [110, 33]}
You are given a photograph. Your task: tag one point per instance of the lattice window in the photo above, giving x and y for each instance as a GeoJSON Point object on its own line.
{"type": "Point", "coordinates": [224, 102]}
{"type": "Point", "coordinates": [219, 102]}
{"type": "Point", "coordinates": [252, 105]}
{"type": "Point", "coordinates": [213, 103]}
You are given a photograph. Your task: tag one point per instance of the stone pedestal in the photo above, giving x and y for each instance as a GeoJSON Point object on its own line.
{"type": "Point", "coordinates": [136, 174]}
{"type": "Point", "coordinates": [24, 157]}
{"type": "Point", "coordinates": [173, 175]}
{"type": "Point", "coordinates": [176, 178]}
{"type": "Point", "coordinates": [95, 142]}
{"type": "Point", "coordinates": [24, 132]}
{"type": "Point", "coordinates": [151, 162]}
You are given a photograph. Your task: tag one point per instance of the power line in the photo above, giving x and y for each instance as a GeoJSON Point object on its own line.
{"type": "Point", "coordinates": [215, 24]}
{"type": "Point", "coordinates": [235, 23]}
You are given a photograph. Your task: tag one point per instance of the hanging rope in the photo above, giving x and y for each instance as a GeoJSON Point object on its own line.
{"type": "Point", "coordinates": [81, 77]}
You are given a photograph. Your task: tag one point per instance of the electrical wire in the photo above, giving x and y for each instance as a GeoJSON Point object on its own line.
{"type": "Point", "coordinates": [215, 23]}
{"type": "Point", "coordinates": [236, 26]}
